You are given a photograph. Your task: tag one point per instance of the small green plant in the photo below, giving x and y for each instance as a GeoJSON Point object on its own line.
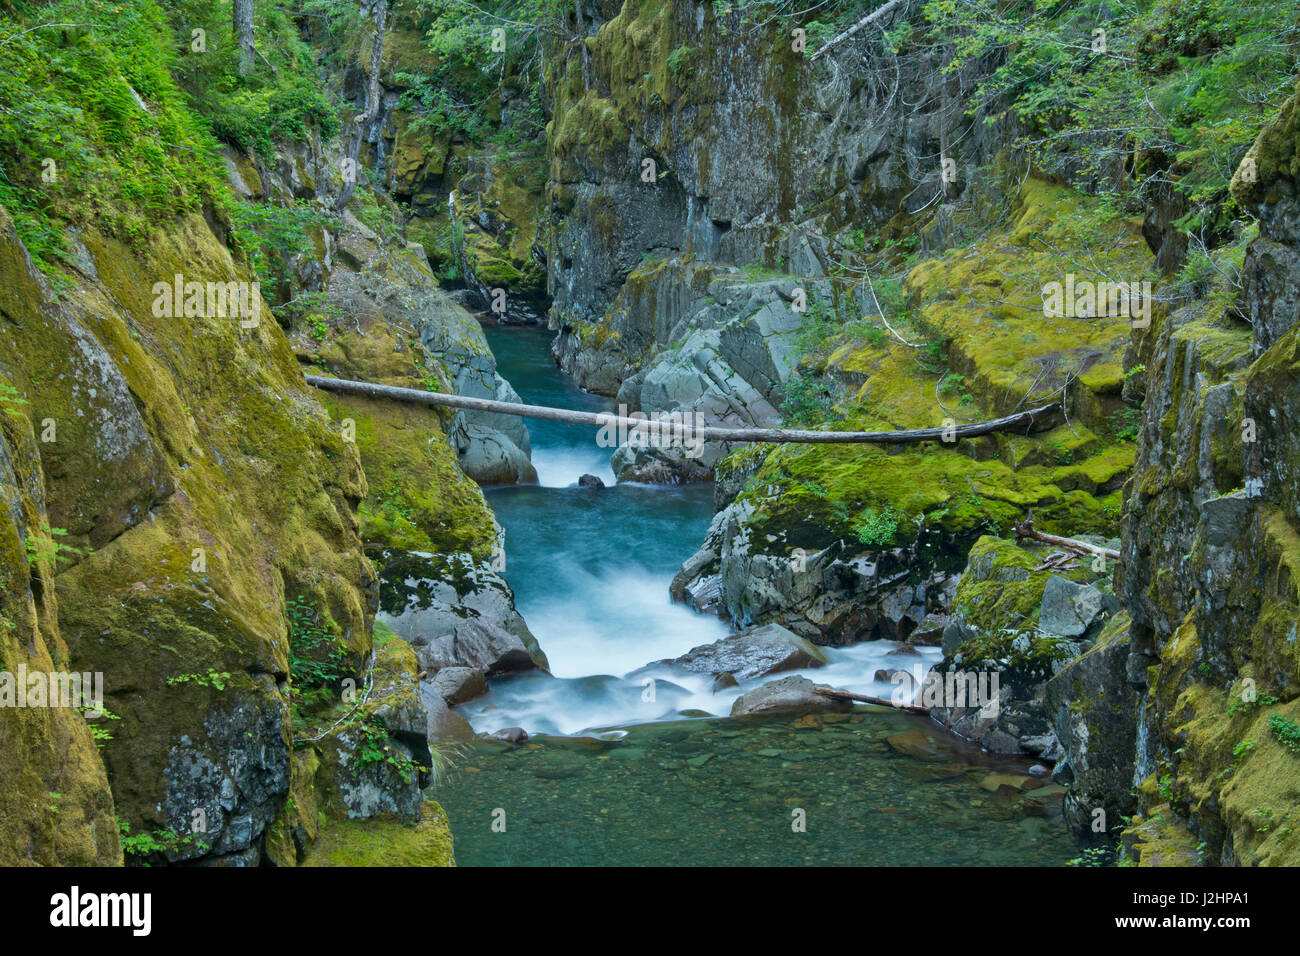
{"type": "Point", "coordinates": [46, 547]}
{"type": "Point", "coordinates": [805, 400]}
{"type": "Point", "coordinates": [9, 398]}
{"type": "Point", "coordinates": [1285, 731]}
{"type": "Point", "coordinates": [315, 658]}
{"type": "Point", "coordinates": [679, 62]}
{"type": "Point", "coordinates": [1093, 856]}
{"type": "Point", "coordinates": [101, 735]}
{"type": "Point", "coordinates": [141, 846]}
{"type": "Point", "coordinates": [1125, 423]}
{"type": "Point", "coordinates": [377, 748]}
{"type": "Point", "coordinates": [319, 327]}
{"type": "Point", "coordinates": [954, 384]}
{"type": "Point", "coordinates": [1265, 816]}
{"type": "Point", "coordinates": [1243, 706]}
{"type": "Point", "coordinates": [876, 528]}
{"type": "Point", "coordinates": [1166, 786]}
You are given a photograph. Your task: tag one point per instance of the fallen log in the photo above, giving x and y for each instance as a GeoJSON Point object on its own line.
{"type": "Point", "coordinates": [676, 427]}
{"type": "Point", "coordinates": [1026, 530]}
{"type": "Point", "coordinates": [836, 694]}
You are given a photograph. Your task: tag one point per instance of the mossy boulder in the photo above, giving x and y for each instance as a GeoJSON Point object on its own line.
{"type": "Point", "coordinates": [1018, 617]}
{"type": "Point", "coordinates": [386, 842]}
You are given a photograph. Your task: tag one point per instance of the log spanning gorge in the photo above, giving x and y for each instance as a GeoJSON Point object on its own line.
{"type": "Point", "coordinates": [625, 755]}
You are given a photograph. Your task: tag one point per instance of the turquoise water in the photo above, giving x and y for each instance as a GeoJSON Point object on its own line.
{"type": "Point", "coordinates": [719, 792]}
{"type": "Point", "coordinates": [590, 569]}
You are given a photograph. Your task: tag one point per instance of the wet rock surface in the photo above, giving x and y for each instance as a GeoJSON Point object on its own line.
{"type": "Point", "coordinates": [755, 652]}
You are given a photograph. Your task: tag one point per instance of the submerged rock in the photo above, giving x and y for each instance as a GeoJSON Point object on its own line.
{"type": "Point", "coordinates": [590, 481]}
{"type": "Point", "coordinates": [442, 723]}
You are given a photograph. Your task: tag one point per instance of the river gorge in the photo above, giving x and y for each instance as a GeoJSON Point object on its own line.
{"type": "Point", "coordinates": [991, 556]}
{"type": "Point", "coordinates": [590, 569]}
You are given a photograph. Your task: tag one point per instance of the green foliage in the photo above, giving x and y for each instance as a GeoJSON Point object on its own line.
{"type": "Point", "coordinates": [679, 62]}
{"type": "Point", "coordinates": [93, 128]}
{"type": "Point", "coordinates": [378, 748]}
{"type": "Point", "coordinates": [1184, 85]}
{"type": "Point", "coordinates": [315, 657]}
{"type": "Point", "coordinates": [1093, 856]}
{"type": "Point", "coordinates": [876, 528]}
{"type": "Point", "coordinates": [271, 235]}
{"type": "Point", "coordinates": [44, 546]}
{"type": "Point", "coordinates": [101, 735]}
{"type": "Point", "coordinates": [9, 398]}
{"type": "Point", "coordinates": [282, 100]}
{"type": "Point", "coordinates": [1285, 731]}
{"type": "Point", "coordinates": [140, 847]}
{"type": "Point", "coordinates": [805, 400]}
{"type": "Point", "coordinates": [470, 68]}
{"type": "Point", "coordinates": [378, 219]}
{"type": "Point", "coordinates": [1125, 423]}
{"type": "Point", "coordinates": [954, 385]}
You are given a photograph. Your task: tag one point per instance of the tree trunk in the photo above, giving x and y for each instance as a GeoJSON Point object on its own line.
{"type": "Point", "coordinates": [869, 18]}
{"type": "Point", "coordinates": [243, 33]}
{"type": "Point", "coordinates": [1020, 422]}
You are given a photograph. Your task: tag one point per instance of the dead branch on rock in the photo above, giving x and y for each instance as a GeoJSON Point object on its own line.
{"type": "Point", "coordinates": [1026, 530]}
{"type": "Point", "coordinates": [836, 694]}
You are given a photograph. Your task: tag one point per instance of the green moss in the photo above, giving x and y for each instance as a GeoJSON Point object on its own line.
{"type": "Point", "coordinates": [987, 302]}
{"type": "Point", "coordinates": [418, 498]}
{"type": "Point", "coordinates": [1275, 155]}
{"type": "Point", "coordinates": [385, 843]}
{"type": "Point", "coordinates": [1161, 839]}
{"type": "Point", "coordinates": [999, 597]}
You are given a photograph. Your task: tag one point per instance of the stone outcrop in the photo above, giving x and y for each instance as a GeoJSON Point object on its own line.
{"type": "Point", "coordinates": [56, 808]}
{"type": "Point", "coordinates": [648, 218]}
{"type": "Point", "coordinates": [1025, 625]}
{"type": "Point", "coordinates": [1210, 569]}
{"type": "Point", "coordinates": [464, 618]}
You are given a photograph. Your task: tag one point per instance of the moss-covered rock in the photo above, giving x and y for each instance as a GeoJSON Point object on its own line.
{"type": "Point", "coordinates": [1014, 616]}
{"type": "Point", "coordinates": [55, 805]}
{"type": "Point", "coordinates": [385, 842]}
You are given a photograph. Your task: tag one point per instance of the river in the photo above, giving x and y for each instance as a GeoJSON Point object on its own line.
{"type": "Point", "coordinates": [590, 569]}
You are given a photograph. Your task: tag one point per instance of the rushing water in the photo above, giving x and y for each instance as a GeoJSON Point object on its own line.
{"type": "Point", "coordinates": [590, 569]}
